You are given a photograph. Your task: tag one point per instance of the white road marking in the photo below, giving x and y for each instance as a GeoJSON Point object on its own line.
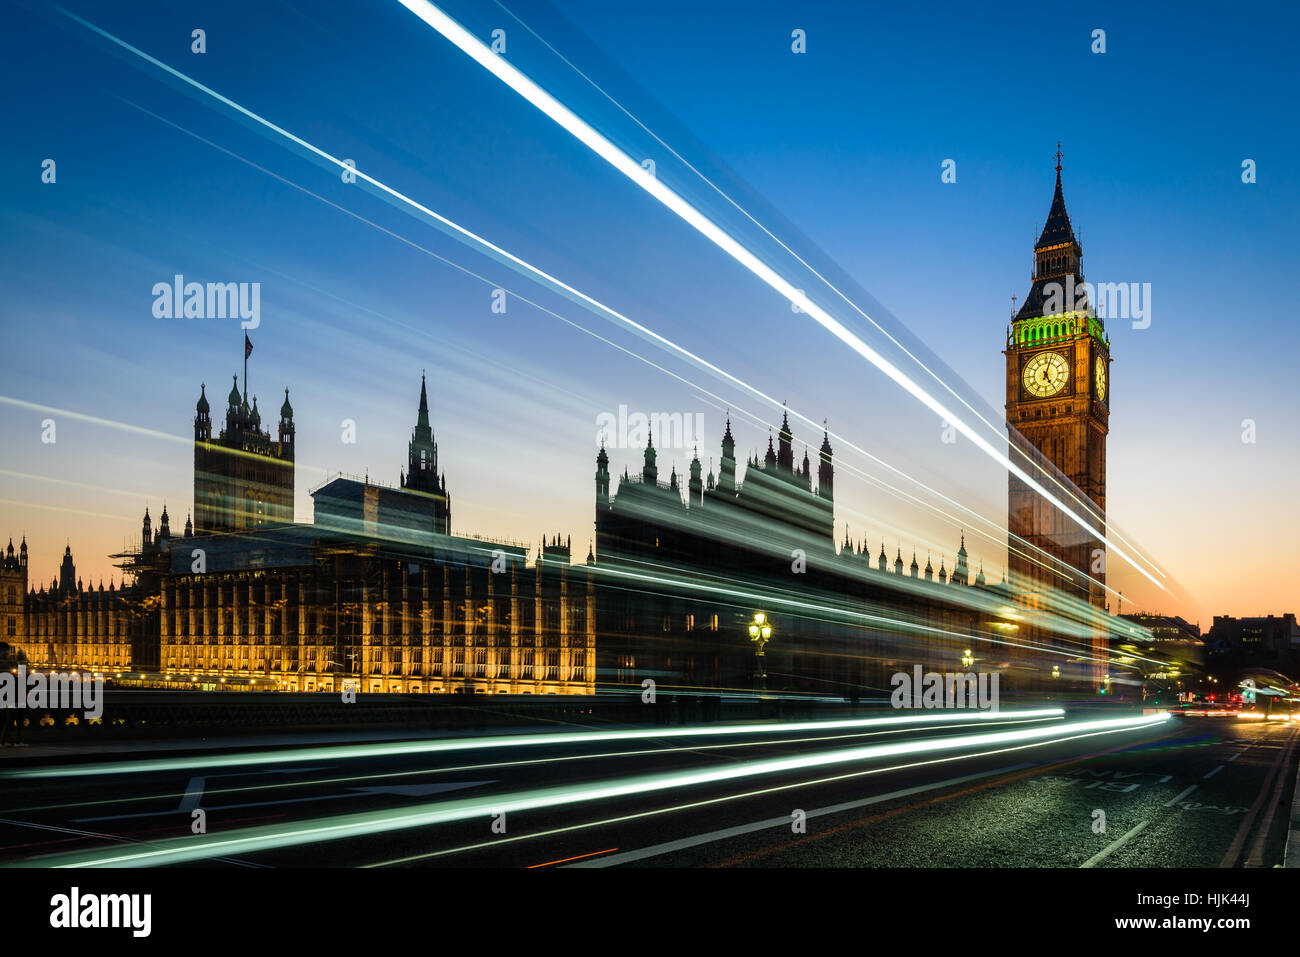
{"type": "Point", "coordinates": [1113, 846]}
{"type": "Point", "coordinates": [1181, 796]}
{"type": "Point", "coordinates": [193, 795]}
{"type": "Point", "coordinates": [709, 837]}
{"type": "Point", "coordinates": [1214, 772]}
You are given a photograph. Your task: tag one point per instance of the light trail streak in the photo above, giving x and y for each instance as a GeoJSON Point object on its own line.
{"type": "Point", "coordinates": [363, 824]}
{"type": "Point", "coordinates": [128, 427]}
{"type": "Point", "coordinates": [602, 147]}
{"type": "Point", "coordinates": [500, 741]}
{"type": "Point", "coordinates": [898, 492]}
{"type": "Point", "coordinates": [65, 508]}
{"type": "Point", "coordinates": [722, 403]}
{"type": "Point", "coordinates": [95, 486]}
{"type": "Point", "coordinates": [763, 792]}
{"type": "Point", "coordinates": [576, 857]}
{"type": "Point", "coordinates": [842, 613]}
{"type": "Point", "coordinates": [468, 237]}
{"type": "Point", "coordinates": [274, 785]}
{"type": "Point", "coordinates": [1083, 502]}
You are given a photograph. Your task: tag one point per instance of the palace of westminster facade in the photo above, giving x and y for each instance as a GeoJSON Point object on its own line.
{"type": "Point", "coordinates": [378, 590]}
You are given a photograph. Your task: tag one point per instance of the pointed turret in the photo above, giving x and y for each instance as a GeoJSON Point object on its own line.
{"type": "Point", "coordinates": [202, 418]}
{"type": "Point", "coordinates": [960, 571]}
{"type": "Point", "coordinates": [602, 476]}
{"type": "Point", "coordinates": [727, 467]}
{"type": "Point", "coordinates": [785, 449]}
{"type": "Point", "coordinates": [695, 487]}
{"type": "Point", "coordinates": [649, 470]}
{"type": "Point", "coordinates": [422, 450]}
{"type": "Point", "coordinates": [1057, 229]}
{"type": "Point", "coordinates": [1058, 264]}
{"type": "Point", "coordinates": [825, 470]}
{"type": "Point", "coordinates": [67, 573]}
{"type": "Point", "coordinates": [286, 420]}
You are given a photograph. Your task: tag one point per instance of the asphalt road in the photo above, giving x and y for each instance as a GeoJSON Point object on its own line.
{"type": "Point", "coordinates": [997, 791]}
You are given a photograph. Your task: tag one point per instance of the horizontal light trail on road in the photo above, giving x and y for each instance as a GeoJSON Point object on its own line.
{"type": "Point", "coordinates": [569, 121]}
{"type": "Point", "coordinates": [443, 746]}
{"type": "Point", "coordinates": [488, 766]}
{"type": "Point", "coordinates": [761, 792]}
{"type": "Point", "coordinates": [252, 840]}
{"type": "Point", "coordinates": [267, 785]}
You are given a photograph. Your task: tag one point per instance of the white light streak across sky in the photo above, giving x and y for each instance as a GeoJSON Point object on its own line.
{"type": "Point", "coordinates": [993, 428]}
{"type": "Point", "coordinates": [632, 169]}
{"type": "Point", "coordinates": [683, 209]}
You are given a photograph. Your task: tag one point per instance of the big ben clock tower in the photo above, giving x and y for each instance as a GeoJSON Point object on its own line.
{"type": "Point", "coordinates": [1058, 412]}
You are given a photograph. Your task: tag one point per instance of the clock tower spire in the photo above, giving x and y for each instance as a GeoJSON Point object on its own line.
{"type": "Point", "coordinates": [1058, 412]}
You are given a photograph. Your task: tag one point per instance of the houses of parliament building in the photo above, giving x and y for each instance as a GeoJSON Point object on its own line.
{"type": "Point", "coordinates": [380, 591]}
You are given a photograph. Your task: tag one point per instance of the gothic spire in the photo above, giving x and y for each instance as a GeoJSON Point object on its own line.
{"type": "Point", "coordinates": [422, 422]}
{"type": "Point", "coordinates": [1057, 257]}
{"type": "Point", "coordinates": [1057, 229]}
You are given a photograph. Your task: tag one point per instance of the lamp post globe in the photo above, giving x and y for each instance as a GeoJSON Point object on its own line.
{"type": "Point", "coordinates": [760, 633]}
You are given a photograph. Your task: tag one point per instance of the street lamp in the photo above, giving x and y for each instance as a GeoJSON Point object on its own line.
{"type": "Point", "coordinates": [1056, 671]}
{"type": "Point", "coordinates": [967, 659]}
{"type": "Point", "coordinates": [760, 633]}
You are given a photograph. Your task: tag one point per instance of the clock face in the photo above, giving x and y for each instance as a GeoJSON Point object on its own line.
{"type": "Point", "coordinates": [1099, 373]}
{"type": "Point", "coordinates": [1046, 374]}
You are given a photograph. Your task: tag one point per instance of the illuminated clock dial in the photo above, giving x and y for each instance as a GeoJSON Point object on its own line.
{"type": "Point", "coordinates": [1099, 372]}
{"type": "Point", "coordinates": [1046, 374]}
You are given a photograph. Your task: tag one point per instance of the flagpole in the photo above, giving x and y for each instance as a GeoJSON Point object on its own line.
{"type": "Point", "coordinates": [245, 368]}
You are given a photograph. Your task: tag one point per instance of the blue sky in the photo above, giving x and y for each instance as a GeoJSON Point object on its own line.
{"type": "Point", "coordinates": [839, 147]}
